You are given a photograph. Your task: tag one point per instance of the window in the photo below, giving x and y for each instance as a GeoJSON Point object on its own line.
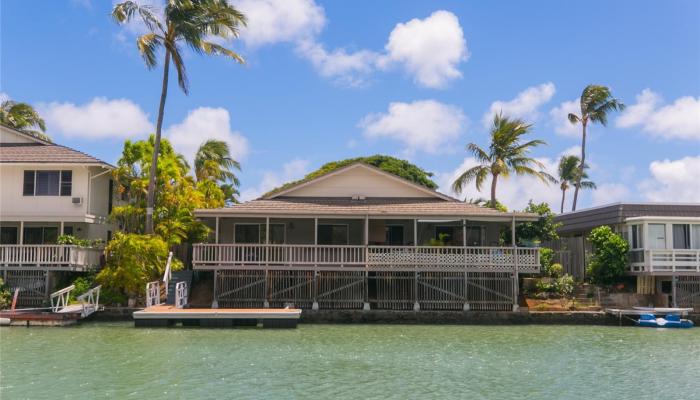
{"type": "Point", "coordinates": [445, 234]}
{"type": "Point", "coordinates": [696, 237]}
{"type": "Point", "coordinates": [657, 236]}
{"type": "Point", "coordinates": [109, 196]}
{"type": "Point", "coordinates": [68, 230]}
{"type": "Point", "coordinates": [276, 233]}
{"type": "Point", "coordinates": [473, 236]}
{"type": "Point", "coordinates": [40, 235]}
{"type": "Point", "coordinates": [47, 183]}
{"type": "Point", "coordinates": [681, 236]}
{"type": "Point", "coordinates": [247, 233]}
{"type": "Point", "coordinates": [333, 234]}
{"type": "Point", "coordinates": [8, 235]}
{"type": "Point", "coordinates": [636, 237]}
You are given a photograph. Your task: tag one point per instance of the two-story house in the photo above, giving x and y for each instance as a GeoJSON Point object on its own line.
{"type": "Point", "coordinates": [48, 190]}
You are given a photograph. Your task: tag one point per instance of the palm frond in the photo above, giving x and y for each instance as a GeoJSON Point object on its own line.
{"type": "Point", "coordinates": [215, 49]}
{"type": "Point", "coordinates": [147, 45]}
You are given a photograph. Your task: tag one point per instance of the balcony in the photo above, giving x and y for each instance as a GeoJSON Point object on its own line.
{"type": "Point", "coordinates": [664, 262]}
{"type": "Point", "coordinates": [56, 257]}
{"type": "Point", "coordinates": [365, 258]}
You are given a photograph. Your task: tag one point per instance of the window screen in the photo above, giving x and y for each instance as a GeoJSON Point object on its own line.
{"type": "Point", "coordinates": [66, 183]}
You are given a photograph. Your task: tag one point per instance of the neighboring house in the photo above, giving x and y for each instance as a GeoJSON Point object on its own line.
{"type": "Point", "coordinates": [664, 240]}
{"type": "Point", "coordinates": [360, 237]}
{"type": "Point", "coordinates": [48, 190]}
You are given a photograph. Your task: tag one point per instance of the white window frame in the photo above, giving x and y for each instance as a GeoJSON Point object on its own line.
{"type": "Point", "coordinates": [347, 229]}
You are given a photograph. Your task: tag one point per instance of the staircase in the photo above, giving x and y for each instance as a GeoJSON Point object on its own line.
{"type": "Point", "coordinates": [178, 276]}
{"type": "Point", "coordinates": [584, 296]}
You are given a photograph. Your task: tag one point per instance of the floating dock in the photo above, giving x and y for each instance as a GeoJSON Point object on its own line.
{"type": "Point", "coordinates": [38, 318]}
{"type": "Point", "coordinates": [168, 315]}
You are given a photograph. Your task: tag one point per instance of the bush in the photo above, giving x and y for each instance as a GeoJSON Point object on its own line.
{"type": "Point", "coordinates": [132, 261]}
{"type": "Point", "coordinates": [70, 239]}
{"type": "Point", "coordinates": [5, 296]}
{"type": "Point", "coordinates": [609, 259]}
{"type": "Point", "coordinates": [546, 258]}
{"type": "Point", "coordinates": [555, 270]}
{"type": "Point", "coordinates": [565, 285]}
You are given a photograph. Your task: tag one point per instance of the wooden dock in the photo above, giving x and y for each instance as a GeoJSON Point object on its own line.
{"type": "Point", "coordinates": [169, 315]}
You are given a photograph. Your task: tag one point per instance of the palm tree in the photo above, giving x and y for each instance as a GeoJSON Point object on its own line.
{"type": "Point", "coordinates": [596, 103]}
{"type": "Point", "coordinates": [23, 117]}
{"type": "Point", "coordinates": [213, 161]}
{"type": "Point", "coordinates": [568, 172]}
{"type": "Point", "coordinates": [506, 154]}
{"type": "Point", "coordinates": [188, 22]}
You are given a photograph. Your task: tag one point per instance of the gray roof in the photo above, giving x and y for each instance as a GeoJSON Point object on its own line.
{"type": "Point", "coordinates": [584, 220]}
{"type": "Point", "coordinates": [372, 206]}
{"type": "Point", "coordinates": [32, 153]}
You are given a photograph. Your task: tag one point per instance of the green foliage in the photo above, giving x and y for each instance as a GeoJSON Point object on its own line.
{"type": "Point", "coordinates": [546, 258]}
{"type": "Point", "coordinates": [507, 154]}
{"type": "Point", "coordinates": [70, 239]}
{"type": "Point", "coordinates": [544, 286]}
{"type": "Point", "coordinates": [610, 256]}
{"type": "Point", "coordinates": [178, 193]}
{"type": "Point", "coordinates": [5, 296]}
{"type": "Point", "coordinates": [132, 261]}
{"type": "Point", "coordinates": [564, 285]}
{"type": "Point", "coordinates": [542, 230]}
{"type": "Point", "coordinates": [442, 240]}
{"type": "Point", "coordinates": [401, 168]}
{"type": "Point", "coordinates": [487, 203]}
{"type": "Point", "coordinates": [555, 270]}
{"type": "Point", "coordinates": [23, 117]}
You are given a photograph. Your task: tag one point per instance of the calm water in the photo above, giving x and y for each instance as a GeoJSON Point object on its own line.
{"type": "Point", "coordinates": [350, 361]}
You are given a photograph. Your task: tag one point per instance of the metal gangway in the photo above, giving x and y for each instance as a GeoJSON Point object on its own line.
{"type": "Point", "coordinates": [87, 303]}
{"type": "Point", "coordinates": [153, 289]}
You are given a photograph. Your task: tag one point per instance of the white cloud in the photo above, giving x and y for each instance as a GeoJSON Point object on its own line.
{"type": "Point", "coordinates": [205, 123]}
{"type": "Point", "coordinates": [429, 49]}
{"type": "Point", "coordinates": [100, 118]}
{"type": "Point", "coordinates": [524, 105]}
{"type": "Point", "coordinates": [673, 180]}
{"type": "Point", "coordinates": [608, 193]}
{"type": "Point", "coordinates": [274, 21]}
{"type": "Point", "coordinates": [679, 120]}
{"type": "Point", "coordinates": [346, 68]}
{"type": "Point", "coordinates": [4, 97]}
{"type": "Point", "coordinates": [559, 118]}
{"type": "Point", "coordinates": [292, 170]}
{"type": "Point", "coordinates": [426, 125]}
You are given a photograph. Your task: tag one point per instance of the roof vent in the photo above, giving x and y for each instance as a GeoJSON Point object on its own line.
{"type": "Point", "coordinates": [359, 197]}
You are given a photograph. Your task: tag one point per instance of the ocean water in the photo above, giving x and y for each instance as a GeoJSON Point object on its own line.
{"type": "Point", "coordinates": [116, 360]}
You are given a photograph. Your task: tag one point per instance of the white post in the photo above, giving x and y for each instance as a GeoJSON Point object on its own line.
{"type": "Point", "coordinates": [216, 230]}
{"type": "Point", "coordinates": [21, 232]}
{"type": "Point", "coordinates": [215, 303]}
{"type": "Point", "coordinates": [61, 229]}
{"type": "Point", "coordinates": [267, 240]}
{"type": "Point", "coordinates": [464, 232]}
{"type": "Point", "coordinates": [415, 232]}
{"type": "Point", "coordinates": [516, 280]}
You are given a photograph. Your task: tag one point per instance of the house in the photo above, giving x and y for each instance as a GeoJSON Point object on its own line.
{"type": "Point", "coordinates": [358, 238]}
{"type": "Point", "coordinates": [48, 190]}
{"type": "Point", "coordinates": [664, 241]}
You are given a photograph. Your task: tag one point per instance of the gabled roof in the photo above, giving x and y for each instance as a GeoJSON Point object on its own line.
{"type": "Point", "coordinates": [39, 151]}
{"type": "Point", "coordinates": [289, 188]}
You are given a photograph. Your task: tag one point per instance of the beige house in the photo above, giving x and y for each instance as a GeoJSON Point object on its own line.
{"type": "Point", "coordinates": [48, 190]}
{"type": "Point", "coordinates": [360, 237]}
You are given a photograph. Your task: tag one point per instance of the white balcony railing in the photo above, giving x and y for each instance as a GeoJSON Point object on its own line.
{"type": "Point", "coordinates": [259, 256]}
{"type": "Point", "coordinates": [49, 256]}
{"type": "Point", "coordinates": [661, 261]}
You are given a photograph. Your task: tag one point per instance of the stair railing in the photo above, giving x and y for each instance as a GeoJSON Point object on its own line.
{"type": "Point", "coordinates": [90, 300]}
{"type": "Point", "coordinates": [180, 294]}
{"type": "Point", "coordinates": [59, 299]}
{"type": "Point", "coordinates": [153, 294]}
{"type": "Point", "coordinates": [168, 273]}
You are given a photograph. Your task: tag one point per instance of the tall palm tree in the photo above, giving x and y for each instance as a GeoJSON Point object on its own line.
{"type": "Point", "coordinates": [596, 102]}
{"type": "Point", "coordinates": [213, 161]}
{"type": "Point", "coordinates": [23, 117]}
{"type": "Point", "coordinates": [188, 22]}
{"type": "Point", "coordinates": [506, 154]}
{"type": "Point", "coordinates": [568, 173]}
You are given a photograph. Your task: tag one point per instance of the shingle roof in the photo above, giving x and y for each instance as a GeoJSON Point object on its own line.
{"type": "Point", "coordinates": [370, 206]}
{"type": "Point", "coordinates": [45, 154]}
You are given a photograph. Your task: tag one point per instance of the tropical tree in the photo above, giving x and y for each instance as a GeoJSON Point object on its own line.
{"type": "Point", "coordinates": [188, 22]}
{"type": "Point", "coordinates": [213, 162]}
{"type": "Point", "coordinates": [506, 154]}
{"type": "Point", "coordinates": [596, 102]}
{"type": "Point", "coordinates": [568, 172]}
{"type": "Point", "coordinates": [23, 117]}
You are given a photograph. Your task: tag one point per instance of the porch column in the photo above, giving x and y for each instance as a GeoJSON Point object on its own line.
{"type": "Point", "coordinates": [61, 229]}
{"type": "Point", "coordinates": [316, 243]}
{"type": "Point", "coordinates": [465, 307]}
{"type": "Point", "coordinates": [216, 230]}
{"type": "Point", "coordinates": [674, 281]}
{"type": "Point", "coordinates": [267, 240]}
{"type": "Point", "coordinates": [512, 233]}
{"type": "Point", "coordinates": [21, 232]}
{"type": "Point", "coordinates": [415, 232]}
{"type": "Point", "coordinates": [464, 232]}
{"type": "Point", "coordinates": [516, 280]}
{"type": "Point", "coordinates": [215, 303]}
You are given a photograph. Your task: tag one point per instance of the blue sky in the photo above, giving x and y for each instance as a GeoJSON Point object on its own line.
{"type": "Point", "coordinates": [329, 80]}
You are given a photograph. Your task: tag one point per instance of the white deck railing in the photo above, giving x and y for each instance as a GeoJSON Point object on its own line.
{"type": "Point", "coordinates": [259, 256]}
{"type": "Point", "coordinates": [50, 256]}
{"type": "Point", "coordinates": [665, 261]}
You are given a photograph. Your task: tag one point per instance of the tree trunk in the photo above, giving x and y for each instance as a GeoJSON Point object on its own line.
{"type": "Point", "coordinates": [150, 199]}
{"type": "Point", "coordinates": [563, 196]}
{"type": "Point", "coordinates": [581, 166]}
{"type": "Point", "coordinates": [493, 190]}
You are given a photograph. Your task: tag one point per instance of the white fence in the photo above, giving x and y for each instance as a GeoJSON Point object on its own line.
{"type": "Point", "coordinates": [380, 258]}
{"type": "Point", "coordinates": [49, 256]}
{"type": "Point", "coordinates": [665, 261]}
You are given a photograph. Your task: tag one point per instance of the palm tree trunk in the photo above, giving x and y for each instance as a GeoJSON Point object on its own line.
{"type": "Point", "coordinates": [150, 199]}
{"type": "Point", "coordinates": [493, 190]}
{"type": "Point", "coordinates": [563, 195]}
{"type": "Point", "coordinates": [577, 186]}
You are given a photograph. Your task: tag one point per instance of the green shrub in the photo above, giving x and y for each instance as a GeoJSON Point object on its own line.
{"type": "Point", "coordinates": [132, 260]}
{"type": "Point", "coordinates": [5, 296]}
{"type": "Point", "coordinates": [609, 258]}
{"type": "Point", "coordinates": [70, 239]}
{"type": "Point", "coordinates": [543, 286]}
{"type": "Point", "coordinates": [546, 258]}
{"type": "Point", "coordinates": [555, 270]}
{"type": "Point", "coordinates": [565, 285]}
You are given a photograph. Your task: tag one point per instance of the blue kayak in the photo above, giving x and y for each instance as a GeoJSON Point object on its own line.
{"type": "Point", "coordinates": [670, 321]}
